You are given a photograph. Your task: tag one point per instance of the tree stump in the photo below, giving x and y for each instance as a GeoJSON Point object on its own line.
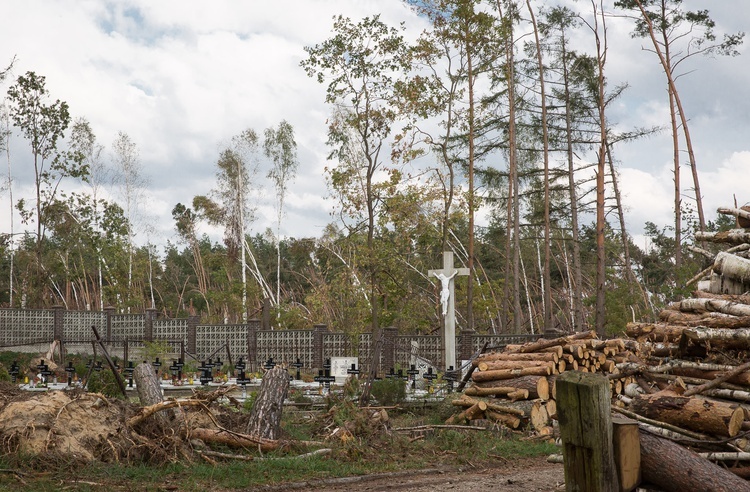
{"type": "Point", "coordinates": [265, 417]}
{"type": "Point", "coordinates": [149, 390]}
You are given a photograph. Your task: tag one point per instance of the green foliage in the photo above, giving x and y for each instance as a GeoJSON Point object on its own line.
{"type": "Point", "coordinates": [250, 401]}
{"type": "Point", "coordinates": [397, 214]}
{"type": "Point", "coordinates": [389, 391]}
{"type": "Point", "coordinates": [103, 382]}
{"type": "Point", "coordinates": [156, 348]}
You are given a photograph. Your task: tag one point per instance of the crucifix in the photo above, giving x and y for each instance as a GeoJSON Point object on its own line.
{"type": "Point", "coordinates": [446, 276]}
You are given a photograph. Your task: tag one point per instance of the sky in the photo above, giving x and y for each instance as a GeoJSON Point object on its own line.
{"type": "Point", "coordinates": [182, 77]}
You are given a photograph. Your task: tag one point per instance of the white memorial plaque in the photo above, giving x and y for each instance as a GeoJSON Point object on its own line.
{"type": "Point", "coordinates": [339, 366]}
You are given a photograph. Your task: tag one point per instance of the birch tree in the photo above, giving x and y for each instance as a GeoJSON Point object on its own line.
{"type": "Point", "coordinates": [279, 146]}
{"type": "Point", "coordinates": [131, 181]}
{"type": "Point", "coordinates": [84, 141]}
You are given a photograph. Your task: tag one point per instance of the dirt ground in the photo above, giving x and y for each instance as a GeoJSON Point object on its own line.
{"type": "Point", "coordinates": [522, 475]}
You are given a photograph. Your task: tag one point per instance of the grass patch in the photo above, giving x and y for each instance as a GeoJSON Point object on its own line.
{"type": "Point", "coordinates": [359, 454]}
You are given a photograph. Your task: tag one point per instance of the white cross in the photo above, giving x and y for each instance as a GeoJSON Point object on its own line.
{"type": "Point", "coordinates": [446, 276]}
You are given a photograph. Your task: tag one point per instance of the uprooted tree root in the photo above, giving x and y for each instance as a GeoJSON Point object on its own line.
{"type": "Point", "coordinates": [58, 428]}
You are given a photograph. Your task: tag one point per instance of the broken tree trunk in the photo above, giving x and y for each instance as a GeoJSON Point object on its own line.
{"type": "Point", "coordinates": [695, 413]}
{"type": "Point", "coordinates": [265, 417]}
{"type": "Point", "coordinates": [235, 440]}
{"type": "Point", "coordinates": [149, 391]}
{"type": "Point", "coordinates": [676, 469]}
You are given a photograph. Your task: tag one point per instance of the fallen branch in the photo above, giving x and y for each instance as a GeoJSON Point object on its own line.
{"type": "Point", "coordinates": [724, 456]}
{"type": "Point", "coordinates": [439, 426]}
{"type": "Point", "coordinates": [236, 440]}
{"type": "Point", "coordinates": [147, 412]}
{"type": "Point", "coordinates": [657, 423]}
{"type": "Point", "coordinates": [228, 456]}
{"type": "Point", "coordinates": [317, 452]}
{"type": "Point", "coordinates": [717, 381]}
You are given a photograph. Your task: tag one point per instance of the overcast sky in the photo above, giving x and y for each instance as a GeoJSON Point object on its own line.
{"type": "Point", "coordinates": [181, 77]}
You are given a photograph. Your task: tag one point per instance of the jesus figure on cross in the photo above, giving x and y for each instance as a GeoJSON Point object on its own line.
{"type": "Point", "coordinates": [445, 291]}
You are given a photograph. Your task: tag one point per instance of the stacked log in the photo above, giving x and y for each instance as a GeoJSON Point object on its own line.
{"type": "Point", "coordinates": [517, 383]}
{"type": "Point", "coordinates": [681, 378]}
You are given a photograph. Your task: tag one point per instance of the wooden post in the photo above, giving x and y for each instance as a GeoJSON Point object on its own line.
{"type": "Point", "coordinates": [627, 452]}
{"type": "Point", "coordinates": [583, 411]}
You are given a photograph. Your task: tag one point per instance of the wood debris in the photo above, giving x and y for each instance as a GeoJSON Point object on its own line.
{"type": "Point", "coordinates": [683, 378]}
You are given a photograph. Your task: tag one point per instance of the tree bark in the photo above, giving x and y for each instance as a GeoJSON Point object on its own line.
{"type": "Point", "coordinates": [510, 373]}
{"type": "Point", "coordinates": [712, 305]}
{"type": "Point", "coordinates": [709, 320]}
{"type": "Point", "coordinates": [742, 299]}
{"type": "Point", "coordinates": [235, 440]}
{"type": "Point", "coordinates": [149, 390]}
{"type": "Point", "coordinates": [543, 343]}
{"type": "Point", "coordinates": [537, 386]}
{"type": "Point", "coordinates": [494, 365]}
{"type": "Point", "coordinates": [545, 356]}
{"type": "Point", "coordinates": [733, 266]}
{"type": "Point", "coordinates": [694, 413]}
{"type": "Point", "coordinates": [520, 409]}
{"type": "Point", "coordinates": [511, 392]}
{"type": "Point", "coordinates": [656, 332]}
{"type": "Point", "coordinates": [508, 420]}
{"type": "Point", "coordinates": [265, 417]}
{"type": "Point", "coordinates": [733, 236]}
{"type": "Point", "coordinates": [739, 335]}
{"type": "Point", "coordinates": [677, 469]}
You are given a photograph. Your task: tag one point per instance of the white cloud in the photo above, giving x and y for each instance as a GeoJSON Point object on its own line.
{"type": "Point", "coordinates": [181, 77]}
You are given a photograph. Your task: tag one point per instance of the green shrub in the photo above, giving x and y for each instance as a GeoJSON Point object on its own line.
{"type": "Point", "coordinates": [389, 391]}
{"type": "Point", "coordinates": [103, 382]}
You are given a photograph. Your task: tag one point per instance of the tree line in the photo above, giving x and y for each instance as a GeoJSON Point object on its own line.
{"type": "Point", "coordinates": [498, 106]}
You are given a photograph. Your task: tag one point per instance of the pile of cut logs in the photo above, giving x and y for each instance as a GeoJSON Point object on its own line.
{"type": "Point", "coordinates": [520, 380]}
{"type": "Point", "coordinates": [683, 379]}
